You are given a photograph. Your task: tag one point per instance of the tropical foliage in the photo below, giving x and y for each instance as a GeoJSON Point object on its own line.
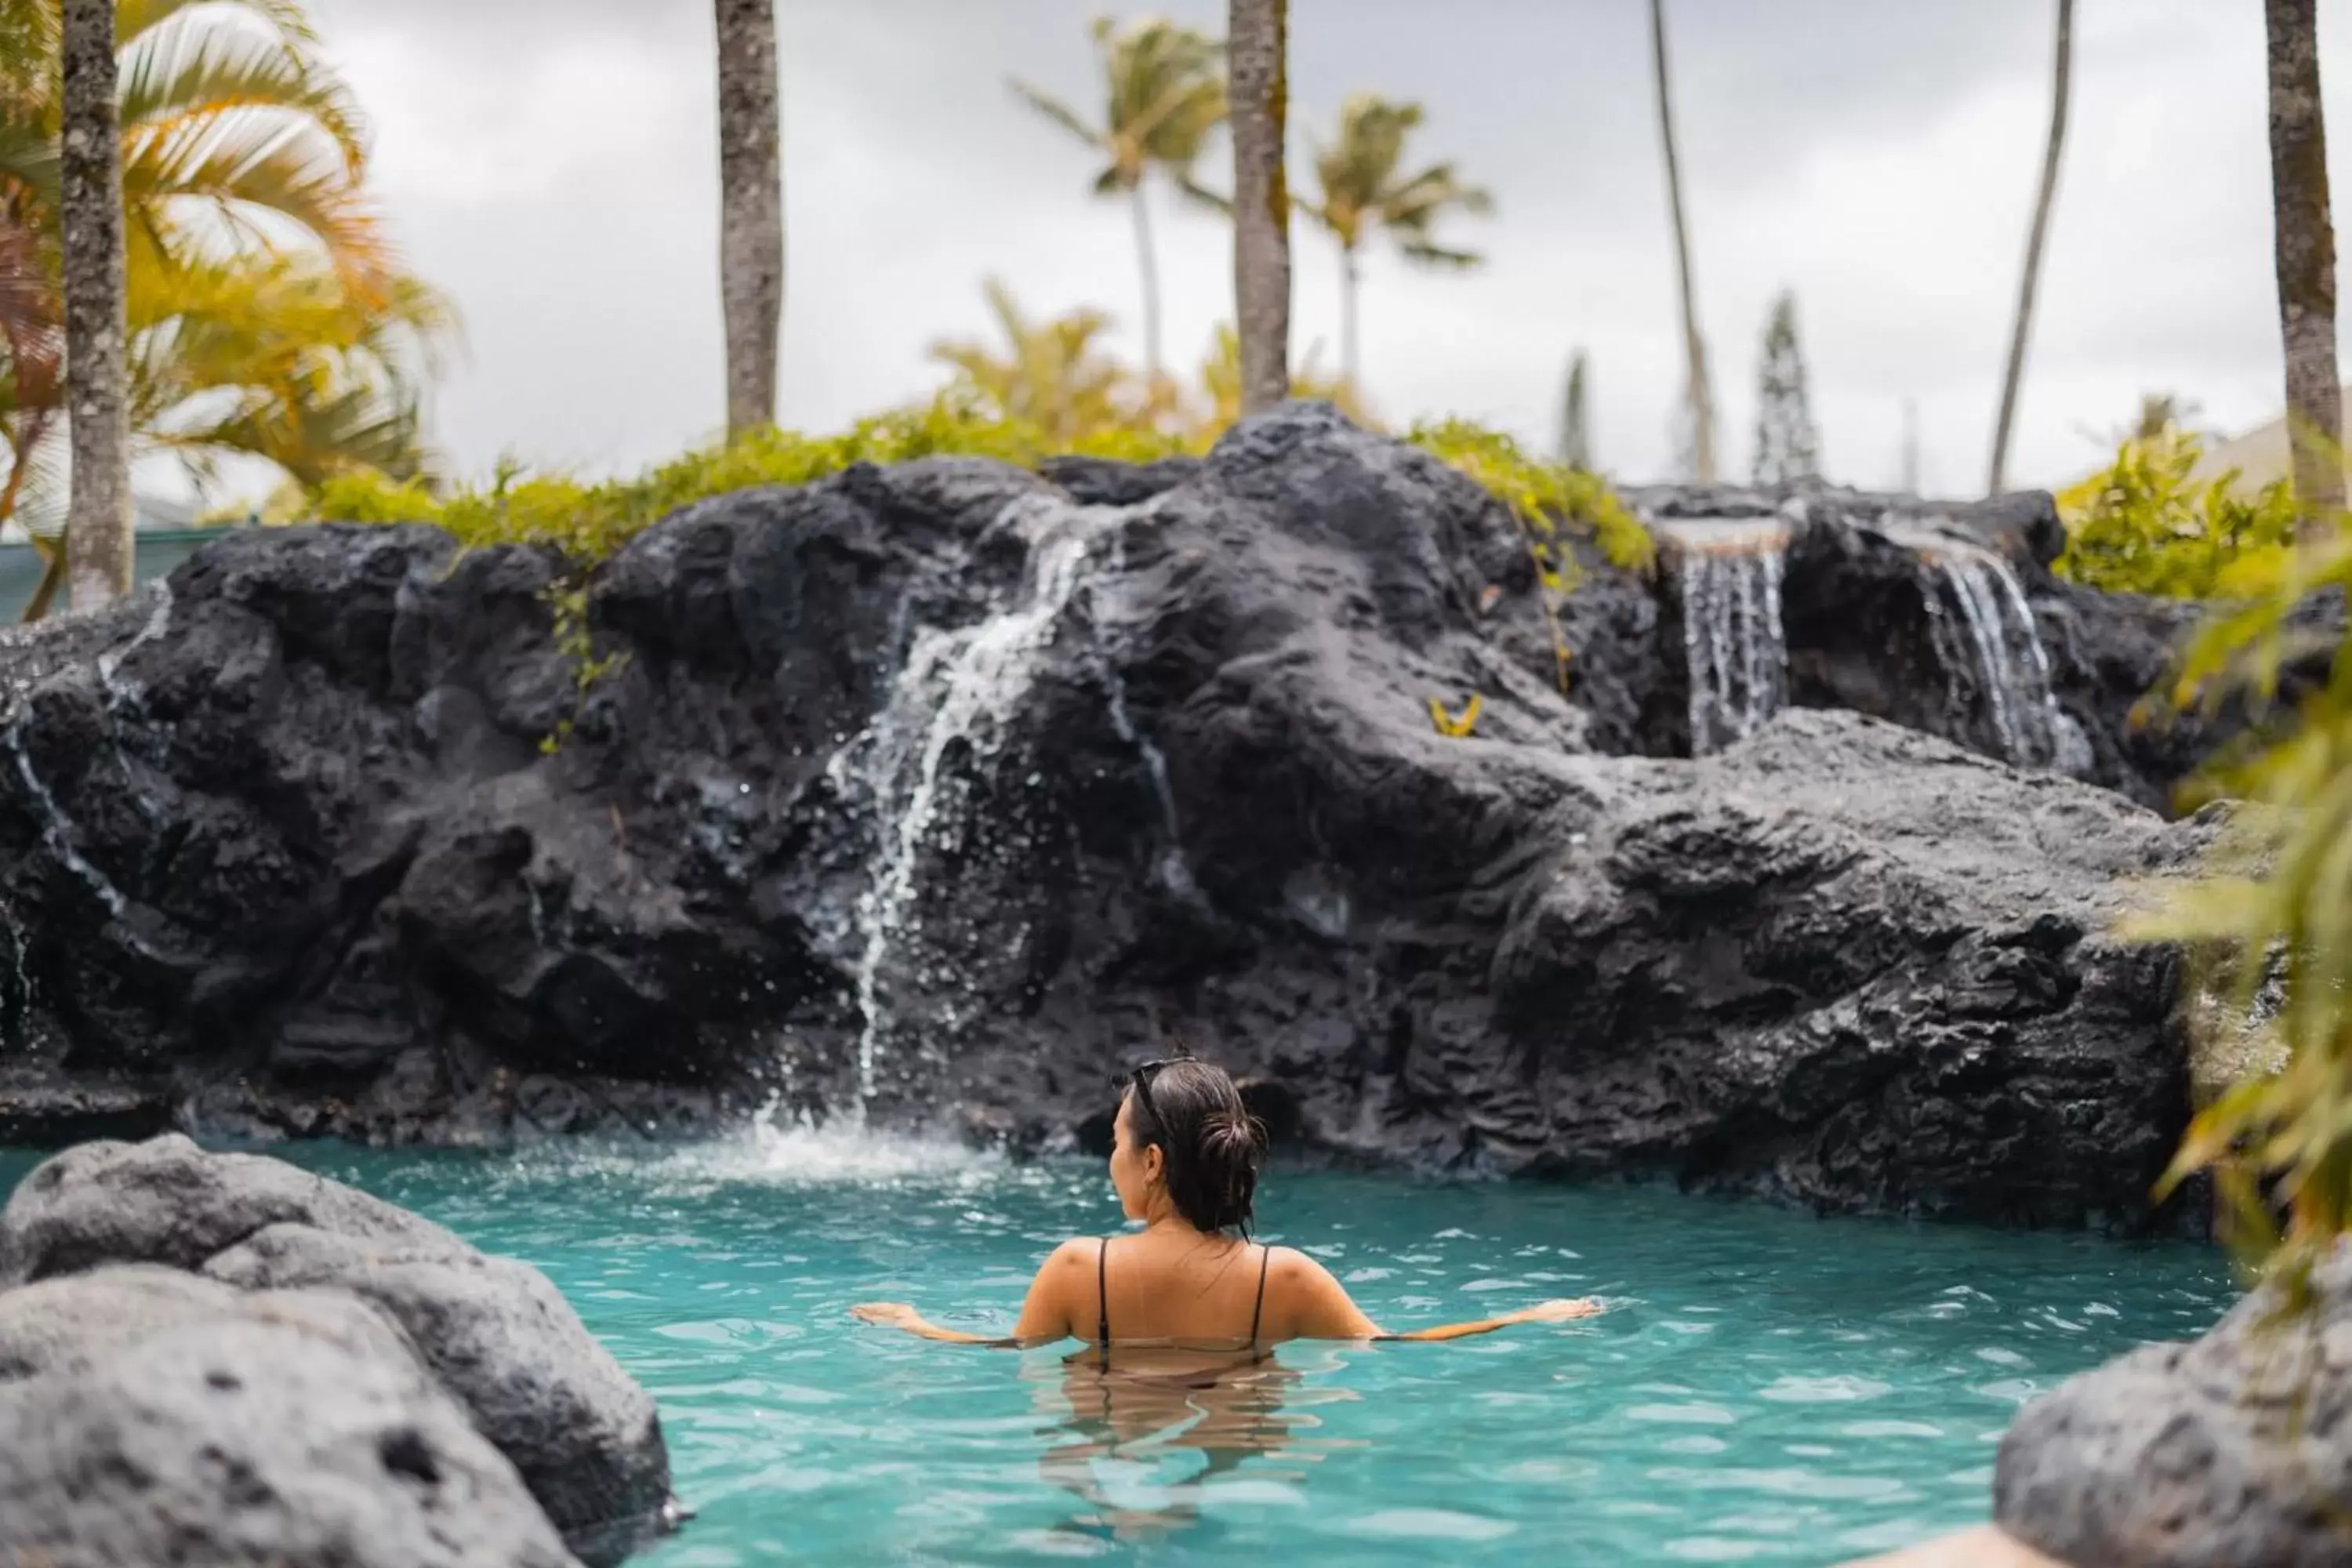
{"type": "Point", "coordinates": [1363, 191]}
{"type": "Point", "coordinates": [1164, 93]}
{"type": "Point", "coordinates": [1051, 375]}
{"type": "Point", "coordinates": [268, 315]}
{"type": "Point", "coordinates": [1555, 506]}
{"type": "Point", "coordinates": [2145, 525]}
{"type": "Point", "coordinates": [591, 520]}
{"type": "Point", "coordinates": [1221, 392]}
{"type": "Point", "coordinates": [2268, 925]}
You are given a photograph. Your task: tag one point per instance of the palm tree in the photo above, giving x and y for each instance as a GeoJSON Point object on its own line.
{"type": "Point", "coordinates": [1257, 34]}
{"type": "Point", "coordinates": [751, 209]}
{"type": "Point", "coordinates": [90, 169]}
{"type": "Point", "coordinates": [2015, 374]}
{"type": "Point", "coordinates": [264, 314]}
{"type": "Point", "coordinates": [2304, 241]}
{"type": "Point", "coordinates": [1051, 375]}
{"type": "Point", "coordinates": [1362, 192]}
{"type": "Point", "coordinates": [1698, 396]}
{"type": "Point", "coordinates": [1164, 94]}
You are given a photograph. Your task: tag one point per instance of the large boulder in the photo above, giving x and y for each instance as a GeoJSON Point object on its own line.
{"type": "Point", "coordinates": [2231, 1451]}
{"type": "Point", "coordinates": [928, 792]}
{"type": "Point", "coordinates": [216, 1237]}
{"type": "Point", "coordinates": [259, 1436]}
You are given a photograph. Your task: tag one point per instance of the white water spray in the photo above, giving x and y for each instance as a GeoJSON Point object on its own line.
{"type": "Point", "coordinates": [954, 694]}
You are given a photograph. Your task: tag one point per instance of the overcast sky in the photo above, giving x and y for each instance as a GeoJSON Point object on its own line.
{"type": "Point", "coordinates": [553, 166]}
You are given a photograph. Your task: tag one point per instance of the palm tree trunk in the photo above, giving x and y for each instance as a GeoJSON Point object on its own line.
{"type": "Point", "coordinates": [1351, 279]}
{"type": "Point", "coordinates": [751, 209]}
{"type": "Point", "coordinates": [2306, 245]}
{"type": "Point", "coordinates": [1149, 264]}
{"type": "Point", "coordinates": [1258, 43]}
{"type": "Point", "coordinates": [1698, 395]}
{"type": "Point", "coordinates": [98, 396]}
{"type": "Point", "coordinates": [2014, 376]}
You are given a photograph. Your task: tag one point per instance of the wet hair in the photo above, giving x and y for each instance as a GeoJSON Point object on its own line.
{"type": "Point", "coordinates": [1210, 1143]}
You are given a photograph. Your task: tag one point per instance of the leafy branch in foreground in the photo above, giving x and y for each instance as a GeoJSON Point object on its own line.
{"type": "Point", "coordinates": [2266, 926]}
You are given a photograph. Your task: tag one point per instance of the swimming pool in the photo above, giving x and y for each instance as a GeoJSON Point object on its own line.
{"type": "Point", "coordinates": [1768, 1388]}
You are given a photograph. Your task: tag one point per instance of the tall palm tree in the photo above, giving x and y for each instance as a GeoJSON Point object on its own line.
{"type": "Point", "coordinates": [1698, 396]}
{"type": "Point", "coordinates": [2304, 241]}
{"type": "Point", "coordinates": [2015, 374]}
{"type": "Point", "coordinates": [98, 393]}
{"type": "Point", "coordinates": [1363, 191]}
{"type": "Point", "coordinates": [751, 209]}
{"type": "Point", "coordinates": [1257, 45]}
{"type": "Point", "coordinates": [1164, 93]}
{"type": "Point", "coordinates": [265, 314]}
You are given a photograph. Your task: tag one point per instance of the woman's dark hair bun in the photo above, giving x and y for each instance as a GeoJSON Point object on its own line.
{"type": "Point", "coordinates": [1210, 1144]}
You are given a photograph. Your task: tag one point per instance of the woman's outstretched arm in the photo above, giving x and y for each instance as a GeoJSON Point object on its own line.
{"type": "Point", "coordinates": [1045, 1314]}
{"type": "Point", "coordinates": [1317, 1306]}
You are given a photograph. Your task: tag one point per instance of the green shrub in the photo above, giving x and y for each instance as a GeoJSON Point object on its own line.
{"type": "Point", "coordinates": [590, 520]}
{"type": "Point", "coordinates": [2144, 526]}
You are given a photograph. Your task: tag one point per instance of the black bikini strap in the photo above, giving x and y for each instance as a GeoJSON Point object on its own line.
{"type": "Point", "coordinates": [1102, 1297]}
{"type": "Point", "coordinates": [1265, 1256]}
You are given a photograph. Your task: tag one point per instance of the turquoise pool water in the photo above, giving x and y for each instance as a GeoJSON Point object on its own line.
{"type": "Point", "coordinates": [1768, 1388]}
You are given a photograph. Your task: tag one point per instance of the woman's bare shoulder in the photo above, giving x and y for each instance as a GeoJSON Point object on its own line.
{"type": "Point", "coordinates": [1077, 1251]}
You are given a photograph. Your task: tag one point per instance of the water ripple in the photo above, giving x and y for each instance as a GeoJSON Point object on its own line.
{"type": "Point", "coordinates": [1767, 1387]}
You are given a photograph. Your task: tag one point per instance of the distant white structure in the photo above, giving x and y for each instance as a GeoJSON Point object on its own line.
{"type": "Point", "coordinates": [2260, 455]}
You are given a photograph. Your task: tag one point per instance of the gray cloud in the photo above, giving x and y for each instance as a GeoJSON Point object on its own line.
{"type": "Point", "coordinates": [555, 176]}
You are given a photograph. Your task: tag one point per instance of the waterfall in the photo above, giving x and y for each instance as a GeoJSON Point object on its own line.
{"type": "Point", "coordinates": [2003, 644]}
{"type": "Point", "coordinates": [122, 693]}
{"type": "Point", "coordinates": [953, 695]}
{"type": "Point", "coordinates": [59, 830]}
{"type": "Point", "coordinates": [1734, 648]}
{"type": "Point", "coordinates": [1174, 871]}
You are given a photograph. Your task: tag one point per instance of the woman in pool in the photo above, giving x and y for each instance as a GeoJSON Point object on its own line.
{"type": "Point", "coordinates": [1184, 1159]}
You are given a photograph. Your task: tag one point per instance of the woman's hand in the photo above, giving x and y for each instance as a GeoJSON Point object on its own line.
{"type": "Point", "coordinates": [889, 1314]}
{"type": "Point", "coordinates": [1556, 1311]}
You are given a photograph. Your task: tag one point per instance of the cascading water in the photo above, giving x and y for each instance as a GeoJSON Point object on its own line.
{"type": "Point", "coordinates": [1997, 639]}
{"type": "Point", "coordinates": [952, 696]}
{"type": "Point", "coordinates": [1733, 644]}
{"type": "Point", "coordinates": [1174, 871]}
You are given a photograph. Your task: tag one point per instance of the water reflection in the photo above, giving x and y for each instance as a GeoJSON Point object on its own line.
{"type": "Point", "coordinates": [1141, 1441]}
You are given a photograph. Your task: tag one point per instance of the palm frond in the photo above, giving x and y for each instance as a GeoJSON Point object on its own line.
{"type": "Point", "coordinates": [181, 78]}
{"type": "Point", "coordinates": [1359, 188]}
{"type": "Point", "coordinates": [1438, 255]}
{"type": "Point", "coordinates": [1193, 191]}
{"type": "Point", "coordinates": [1434, 191]}
{"type": "Point", "coordinates": [243, 168]}
{"type": "Point", "coordinates": [32, 329]}
{"type": "Point", "coordinates": [290, 19]}
{"type": "Point", "coordinates": [1060, 113]}
{"type": "Point", "coordinates": [29, 164]}
{"type": "Point", "coordinates": [30, 38]}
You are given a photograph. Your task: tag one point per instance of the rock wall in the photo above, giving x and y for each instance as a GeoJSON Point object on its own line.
{"type": "Point", "coordinates": [933, 793]}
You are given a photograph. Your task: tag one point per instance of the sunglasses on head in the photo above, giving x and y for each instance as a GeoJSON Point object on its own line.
{"type": "Point", "coordinates": [1138, 1077]}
